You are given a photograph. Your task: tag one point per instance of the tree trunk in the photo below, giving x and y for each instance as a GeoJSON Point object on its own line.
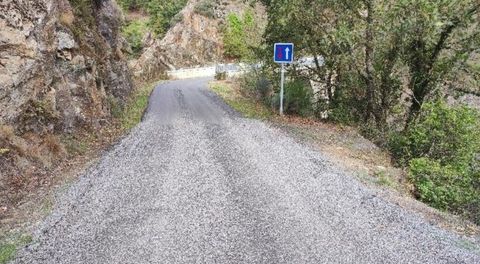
{"type": "Point", "coordinates": [369, 62]}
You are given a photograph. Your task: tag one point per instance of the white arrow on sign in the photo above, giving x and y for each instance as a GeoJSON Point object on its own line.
{"type": "Point", "coordinates": [287, 52]}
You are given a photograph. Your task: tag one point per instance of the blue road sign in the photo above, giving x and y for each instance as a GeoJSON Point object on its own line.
{"type": "Point", "coordinates": [283, 52]}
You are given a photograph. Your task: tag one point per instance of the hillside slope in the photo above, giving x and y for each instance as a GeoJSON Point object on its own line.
{"type": "Point", "coordinates": [195, 40]}
{"type": "Point", "coordinates": [61, 55]}
{"type": "Point", "coordinates": [61, 70]}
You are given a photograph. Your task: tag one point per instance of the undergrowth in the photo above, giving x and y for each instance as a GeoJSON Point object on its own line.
{"type": "Point", "coordinates": [132, 112]}
{"type": "Point", "coordinates": [8, 249]}
{"type": "Point", "coordinates": [249, 107]}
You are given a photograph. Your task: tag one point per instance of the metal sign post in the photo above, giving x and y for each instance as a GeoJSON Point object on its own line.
{"type": "Point", "coordinates": [282, 81]}
{"type": "Point", "coordinates": [283, 53]}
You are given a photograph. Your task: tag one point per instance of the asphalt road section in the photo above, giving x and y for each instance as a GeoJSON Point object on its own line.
{"type": "Point", "coordinates": [197, 183]}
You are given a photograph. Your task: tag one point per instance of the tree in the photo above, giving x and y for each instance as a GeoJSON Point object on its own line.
{"type": "Point", "coordinates": [241, 35]}
{"type": "Point", "coordinates": [439, 37]}
{"type": "Point", "coordinates": [374, 49]}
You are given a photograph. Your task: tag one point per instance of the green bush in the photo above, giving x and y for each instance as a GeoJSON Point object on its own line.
{"type": "Point", "coordinates": [134, 33]}
{"type": "Point", "coordinates": [240, 36]}
{"type": "Point", "coordinates": [163, 13]}
{"type": "Point", "coordinates": [450, 187]}
{"type": "Point", "coordinates": [219, 76]}
{"type": "Point", "coordinates": [133, 4]}
{"type": "Point", "coordinates": [206, 8]}
{"type": "Point", "coordinates": [441, 149]}
{"type": "Point", "coordinates": [342, 114]}
{"type": "Point", "coordinates": [263, 88]}
{"type": "Point", "coordinates": [298, 98]}
{"type": "Point", "coordinates": [247, 84]}
{"type": "Point", "coordinates": [255, 85]}
{"type": "Point", "coordinates": [442, 133]}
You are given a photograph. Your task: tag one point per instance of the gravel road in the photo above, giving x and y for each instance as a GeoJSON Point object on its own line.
{"type": "Point", "coordinates": [197, 183]}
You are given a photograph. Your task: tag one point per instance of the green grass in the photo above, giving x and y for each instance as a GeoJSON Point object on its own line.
{"type": "Point", "coordinates": [8, 249]}
{"type": "Point", "coordinates": [134, 32]}
{"type": "Point", "coordinates": [7, 252]}
{"type": "Point", "coordinates": [246, 106]}
{"type": "Point", "coordinates": [132, 113]}
{"type": "Point", "coordinates": [383, 179]}
{"type": "Point", "coordinates": [73, 145]}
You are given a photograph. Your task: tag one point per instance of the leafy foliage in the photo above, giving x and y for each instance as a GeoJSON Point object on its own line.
{"type": "Point", "coordinates": [442, 150]}
{"type": "Point", "coordinates": [373, 49]}
{"type": "Point", "coordinates": [161, 12]}
{"type": "Point", "coordinates": [298, 98]}
{"type": "Point", "coordinates": [134, 33]}
{"type": "Point", "coordinates": [254, 84]}
{"type": "Point", "coordinates": [241, 36]}
{"type": "Point", "coordinates": [131, 5]}
{"type": "Point", "coordinates": [375, 54]}
{"type": "Point", "coordinates": [443, 133]}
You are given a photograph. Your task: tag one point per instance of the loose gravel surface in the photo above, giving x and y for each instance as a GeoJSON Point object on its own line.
{"type": "Point", "coordinates": [197, 183]}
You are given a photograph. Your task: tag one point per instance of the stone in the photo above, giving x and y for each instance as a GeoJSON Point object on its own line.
{"type": "Point", "coordinates": [65, 41]}
{"type": "Point", "coordinates": [195, 40]}
{"type": "Point", "coordinates": [42, 61]}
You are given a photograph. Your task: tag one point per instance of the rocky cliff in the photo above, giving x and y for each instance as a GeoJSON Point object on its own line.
{"type": "Point", "coordinates": [195, 40]}
{"type": "Point", "coordinates": [61, 71]}
{"type": "Point", "coordinates": [60, 63]}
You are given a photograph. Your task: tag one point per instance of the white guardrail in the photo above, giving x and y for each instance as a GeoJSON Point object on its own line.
{"type": "Point", "coordinates": [231, 69]}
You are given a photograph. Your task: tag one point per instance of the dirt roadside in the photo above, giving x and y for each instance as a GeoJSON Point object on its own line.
{"type": "Point", "coordinates": [346, 147]}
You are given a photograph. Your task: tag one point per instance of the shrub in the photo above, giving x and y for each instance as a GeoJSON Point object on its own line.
{"type": "Point", "coordinates": [443, 133]}
{"type": "Point", "coordinates": [206, 8]}
{"type": "Point", "coordinates": [247, 84]}
{"type": "Point", "coordinates": [298, 98]}
{"type": "Point", "coordinates": [441, 149]}
{"type": "Point", "coordinates": [263, 89]}
{"type": "Point", "coordinates": [220, 76]}
{"type": "Point", "coordinates": [447, 187]}
{"type": "Point", "coordinates": [134, 33]}
{"type": "Point", "coordinates": [162, 13]}
{"type": "Point", "coordinates": [341, 113]}
{"type": "Point", "coordinates": [234, 37]}
{"type": "Point", "coordinates": [255, 85]}
{"type": "Point", "coordinates": [241, 36]}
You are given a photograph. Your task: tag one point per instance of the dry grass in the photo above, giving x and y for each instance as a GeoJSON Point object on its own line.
{"type": "Point", "coordinates": [66, 18]}
{"type": "Point", "coordinates": [249, 107]}
{"type": "Point", "coordinates": [25, 161]}
{"type": "Point", "coordinates": [53, 145]}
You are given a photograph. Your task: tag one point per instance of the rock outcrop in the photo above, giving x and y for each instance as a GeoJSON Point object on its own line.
{"type": "Point", "coordinates": [60, 63]}
{"type": "Point", "coordinates": [194, 41]}
{"type": "Point", "coordinates": [61, 74]}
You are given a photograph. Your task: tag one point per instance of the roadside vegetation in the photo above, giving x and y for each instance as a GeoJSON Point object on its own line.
{"type": "Point", "coordinates": [397, 70]}
{"type": "Point", "coordinates": [242, 35]}
{"type": "Point", "coordinates": [8, 248]}
{"type": "Point", "coordinates": [245, 105]}
{"type": "Point", "coordinates": [132, 112]}
{"type": "Point", "coordinates": [157, 16]}
{"type": "Point", "coordinates": [134, 33]}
